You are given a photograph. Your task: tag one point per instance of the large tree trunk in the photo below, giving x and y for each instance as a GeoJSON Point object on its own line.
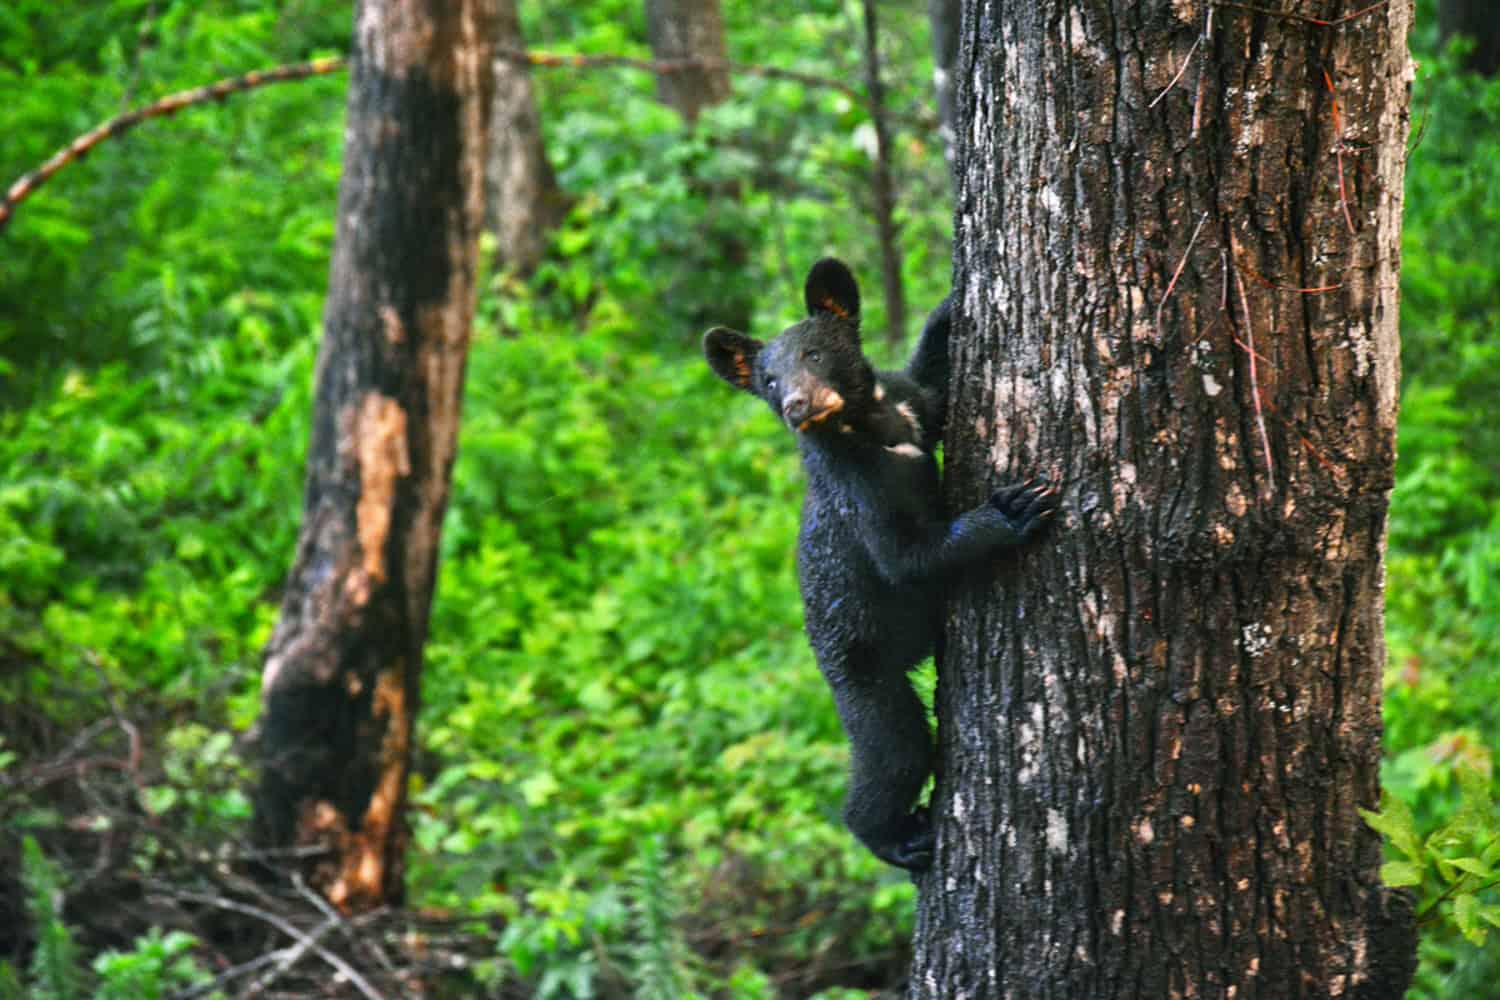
{"type": "Point", "coordinates": [689, 29]}
{"type": "Point", "coordinates": [1480, 21]}
{"type": "Point", "coordinates": [522, 199]}
{"type": "Point", "coordinates": [1158, 723]}
{"type": "Point", "coordinates": [343, 667]}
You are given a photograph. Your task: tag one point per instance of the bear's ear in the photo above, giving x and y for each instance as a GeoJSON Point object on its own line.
{"type": "Point", "coordinates": [832, 289]}
{"type": "Point", "coordinates": [731, 355]}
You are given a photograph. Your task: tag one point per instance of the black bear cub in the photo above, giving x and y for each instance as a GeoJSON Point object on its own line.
{"type": "Point", "coordinates": [875, 551]}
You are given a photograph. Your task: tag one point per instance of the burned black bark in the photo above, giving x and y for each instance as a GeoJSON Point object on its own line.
{"type": "Point", "coordinates": [343, 668]}
{"type": "Point", "coordinates": [1177, 247]}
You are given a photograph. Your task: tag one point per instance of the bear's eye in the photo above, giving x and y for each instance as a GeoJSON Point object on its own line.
{"type": "Point", "coordinates": [813, 357]}
{"type": "Point", "coordinates": [771, 384]}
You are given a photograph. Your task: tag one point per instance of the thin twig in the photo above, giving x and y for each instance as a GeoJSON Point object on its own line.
{"type": "Point", "coordinates": [282, 958]}
{"type": "Point", "coordinates": [1178, 273]}
{"type": "Point", "coordinates": [1338, 151]}
{"type": "Point", "coordinates": [132, 734]}
{"type": "Point", "coordinates": [262, 854]}
{"type": "Point", "coordinates": [326, 908]}
{"type": "Point", "coordinates": [1294, 16]}
{"type": "Point", "coordinates": [170, 104]}
{"type": "Point", "coordinates": [290, 956]}
{"type": "Point", "coordinates": [301, 937]}
{"type": "Point", "coordinates": [1431, 908]}
{"type": "Point", "coordinates": [28, 183]}
{"type": "Point", "coordinates": [1260, 418]}
{"type": "Point", "coordinates": [1249, 350]}
{"type": "Point", "coordinates": [233, 972]}
{"type": "Point", "coordinates": [580, 60]}
{"type": "Point", "coordinates": [1208, 33]}
{"type": "Point", "coordinates": [1180, 70]}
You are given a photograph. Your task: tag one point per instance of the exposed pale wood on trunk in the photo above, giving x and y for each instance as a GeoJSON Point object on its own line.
{"type": "Point", "coordinates": [342, 672]}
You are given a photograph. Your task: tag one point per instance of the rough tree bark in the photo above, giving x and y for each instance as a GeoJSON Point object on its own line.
{"type": "Point", "coordinates": [1480, 20]}
{"type": "Point", "coordinates": [523, 203]}
{"type": "Point", "coordinates": [688, 29]}
{"type": "Point", "coordinates": [1158, 723]}
{"type": "Point", "coordinates": [343, 666]}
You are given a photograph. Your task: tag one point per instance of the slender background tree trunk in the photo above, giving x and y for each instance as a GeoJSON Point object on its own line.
{"type": "Point", "coordinates": [943, 17]}
{"type": "Point", "coordinates": [522, 200]}
{"type": "Point", "coordinates": [343, 667]}
{"type": "Point", "coordinates": [1480, 20]}
{"type": "Point", "coordinates": [688, 29]}
{"type": "Point", "coordinates": [1158, 723]}
{"type": "Point", "coordinates": [883, 186]}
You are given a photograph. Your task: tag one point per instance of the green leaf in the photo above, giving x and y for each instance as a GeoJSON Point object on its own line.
{"type": "Point", "coordinates": [538, 788]}
{"type": "Point", "coordinates": [1395, 823]}
{"type": "Point", "coordinates": [1400, 873]}
{"type": "Point", "coordinates": [1471, 865]}
{"type": "Point", "coordinates": [1490, 915]}
{"type": "Point", "coordinates": [1466, 916]}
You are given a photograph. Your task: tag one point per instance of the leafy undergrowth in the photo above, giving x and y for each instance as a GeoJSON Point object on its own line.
{"type": "Point", "coordinates": [1443, 582]}
{"type": "Point", "coordinates": [629, 769]}
{"type": "Point", "coordinates": [620, 716]}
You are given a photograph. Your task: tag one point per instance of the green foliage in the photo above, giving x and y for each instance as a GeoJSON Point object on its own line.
{"type": "Point", "coordinates": [1443, 582]}
{"type": "Point", "coordinates": [143, 251]}
{"type": "Point", "coordinates": [10, 983]}
{"type": "Point", "coordinates": [627, 755]}
{"type": "Point", "coordinates": [205, 782]}
{"type": "Point", "coordinates": [158, 963]}
{"type": "Point", "coordinates": [55, 972]}
{"type": "Point", "coordinates": [144, 539]}
{"type": "Point", "coordinates": [1455, 866]}
{"type": "Point", "coordinates": [616, 656]}
{"type": "Point", "coordinates": [661, 957]}
{"type": "Point", "coordinates": [717, 223]}
{"type": "Point", "coordinates": [629, 620]}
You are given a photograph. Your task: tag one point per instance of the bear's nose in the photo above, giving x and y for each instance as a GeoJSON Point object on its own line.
{"type": "Point", "coordinates": [794, 407]}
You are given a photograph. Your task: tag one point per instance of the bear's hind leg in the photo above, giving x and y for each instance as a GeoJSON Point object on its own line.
{"type": "Point", "coordinates": [890, 746]}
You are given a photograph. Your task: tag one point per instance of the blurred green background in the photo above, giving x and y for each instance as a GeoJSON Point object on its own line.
{"type": "Point", "coordinates": [629, 768]}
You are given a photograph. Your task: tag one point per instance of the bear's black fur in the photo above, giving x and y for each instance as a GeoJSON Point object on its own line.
{"type": "Point", "coordinates": [875, 551]}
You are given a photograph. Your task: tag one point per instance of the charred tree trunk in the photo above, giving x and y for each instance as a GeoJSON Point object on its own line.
{"type": "Point", "coordinates": [522, 200]}
{"type": "Point", "coordinates": [688, 29]}
{"type": "Point", "coordinates": [343, 667]}
{"type": "Point", "coordinates": [1158, 723]}
{"type": "Point", "coordinates": [1480, 21]}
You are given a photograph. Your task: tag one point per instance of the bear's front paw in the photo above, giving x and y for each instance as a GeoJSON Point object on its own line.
{"type": "Point", "coordinates": [1028, 506]}
{"type": "Point", "coordinates": [915, 852]}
